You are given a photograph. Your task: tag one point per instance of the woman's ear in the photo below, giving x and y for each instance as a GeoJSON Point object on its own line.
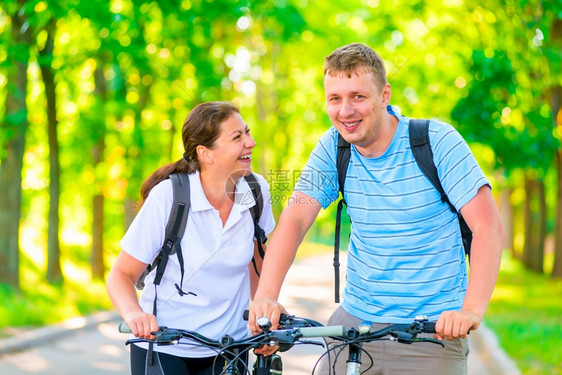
{"type": "Point", "coordinates": [204, 155]}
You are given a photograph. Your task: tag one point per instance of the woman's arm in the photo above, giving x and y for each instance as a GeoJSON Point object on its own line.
{"type": "Point", "coordinates": [121, 289]}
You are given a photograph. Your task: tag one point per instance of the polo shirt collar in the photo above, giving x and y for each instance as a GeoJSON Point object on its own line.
{"type": "Point", "coordinates": [199, 201]}
{"type": "Point", "coordinates": [243, 197]}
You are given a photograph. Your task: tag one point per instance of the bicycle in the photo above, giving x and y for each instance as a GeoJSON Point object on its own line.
{"type": "Point", "coordinates": [292, 331]}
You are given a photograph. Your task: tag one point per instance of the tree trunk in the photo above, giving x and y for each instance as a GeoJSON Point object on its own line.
{"type": "Point", "coordinates": [534, 210]}
{"type": "Point", "coordinates": [14, 124]}
{"type": "Point", "coordinates": [557, 267]}
{"type": "Point", "coordinates": [54, 273]}
{"type": "Point", "coordinates": [97, 260]}
{"type": "Point", "coordinates": [538, 254]}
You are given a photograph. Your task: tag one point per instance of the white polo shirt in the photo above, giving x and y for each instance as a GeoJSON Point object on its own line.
{"type": "Point", "coordinates": [216, 260]}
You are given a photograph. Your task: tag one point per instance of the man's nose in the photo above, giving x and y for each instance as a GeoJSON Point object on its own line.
{"type": "Point", "coordinates": [347, 108]}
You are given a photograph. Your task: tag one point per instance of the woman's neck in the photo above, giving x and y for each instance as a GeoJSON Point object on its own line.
{"type": "Point", "coordinates": [219, 192]}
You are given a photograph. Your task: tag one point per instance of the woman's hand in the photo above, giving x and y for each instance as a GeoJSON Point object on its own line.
{"type": "Point", "coordinates": [142, 324]}
{"type": "Point", "coordinates": [264, 308]}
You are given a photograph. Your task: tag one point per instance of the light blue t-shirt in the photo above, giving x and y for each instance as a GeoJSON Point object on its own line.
{"type": "Point", "coordinates": [405, 256]}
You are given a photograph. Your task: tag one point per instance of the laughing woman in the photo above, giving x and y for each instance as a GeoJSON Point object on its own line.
{"type": "Point", "coordinates": [218, 245]}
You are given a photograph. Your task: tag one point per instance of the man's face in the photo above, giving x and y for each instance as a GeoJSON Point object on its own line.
{"type": "Point", "coordinates": [355, 105]}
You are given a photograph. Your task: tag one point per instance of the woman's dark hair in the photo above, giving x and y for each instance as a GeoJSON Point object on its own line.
{"type": "Point", "coordinates": [201, 128]}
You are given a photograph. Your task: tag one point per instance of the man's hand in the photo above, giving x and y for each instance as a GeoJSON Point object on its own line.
{"type": "Point", "coordinates": [454, 324]}
{"type": "Point", "coordinates": [264, 307]}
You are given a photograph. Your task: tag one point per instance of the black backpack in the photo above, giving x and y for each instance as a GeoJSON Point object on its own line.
{"type": "Point", "coordinates": [419, 143]}
{"type": "Point", "coordinates": [177, 221]}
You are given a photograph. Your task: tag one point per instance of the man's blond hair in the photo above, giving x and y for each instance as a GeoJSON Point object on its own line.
{"type": "Point", "coordinates": [352, 58]}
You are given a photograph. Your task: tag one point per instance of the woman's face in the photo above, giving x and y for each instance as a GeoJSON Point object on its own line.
{"type": "Point", "coordinates": [231, 153]}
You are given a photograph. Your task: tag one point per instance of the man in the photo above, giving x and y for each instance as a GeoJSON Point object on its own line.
{"type": "Point", "coordinates": [405, 256]}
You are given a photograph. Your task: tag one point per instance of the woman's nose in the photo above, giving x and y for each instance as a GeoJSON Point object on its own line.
{"type": "Point", "coordinates": [250, 143]}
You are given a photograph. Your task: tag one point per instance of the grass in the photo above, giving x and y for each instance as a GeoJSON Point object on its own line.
{"type": "Point", "coordinates": [39, 303]}
{"type": "Point", "coordinates": [42, 304]}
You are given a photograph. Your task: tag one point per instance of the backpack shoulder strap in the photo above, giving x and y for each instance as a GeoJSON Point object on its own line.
{"type": "Point", "coordinates": [342, 162]}
{"type": "Point", "coordinates": [419, 142]}
{"type": "Point", "coordinates": [255, 187]}
{"type": "Point", "coordinates": [256, 211]}
{"type": "Point", "coordinates": [421, 148]}
{"type": "Point", "coordinates": [180, 209]}
{"type": "Point", "coordinates": [175, 228]}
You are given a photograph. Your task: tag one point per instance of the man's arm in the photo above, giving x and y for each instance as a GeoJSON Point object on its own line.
{"type": "Point", "coordinates": [482, 217]}
{"type": "Point", "coordinates": [294, 222]}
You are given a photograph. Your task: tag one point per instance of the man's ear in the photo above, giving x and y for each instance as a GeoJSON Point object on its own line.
{"type": "Point", "coordinates": [386, 94]}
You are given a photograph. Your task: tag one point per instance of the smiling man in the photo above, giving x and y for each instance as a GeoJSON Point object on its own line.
{"type": "Point", "coordinates": [405, 256]}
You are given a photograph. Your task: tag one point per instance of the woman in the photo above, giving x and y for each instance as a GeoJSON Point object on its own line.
{"type": "Point", "coordinates": [217, 247]}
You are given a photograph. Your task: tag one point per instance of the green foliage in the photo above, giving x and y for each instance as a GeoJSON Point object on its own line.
{"type": "Point", "coordinates": [485, 68]}
{"type": "Point", "coordinates": [41, 304]}
{"type": "Point", "coordinates": [526, 315]}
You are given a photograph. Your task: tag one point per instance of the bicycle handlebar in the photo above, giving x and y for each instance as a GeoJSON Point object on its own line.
{"type": "Point", "coordinates": [324, 331]}
{"type": "Point", "coordinates": [294, 329]}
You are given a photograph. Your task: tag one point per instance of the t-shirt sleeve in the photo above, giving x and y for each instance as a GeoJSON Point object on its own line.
{"type": "Point", "coordinates": [145, 235]}
{"type": "Point", "coordinates": [319, 178]}
{"type": "Point", "coordinates": [458, 170]}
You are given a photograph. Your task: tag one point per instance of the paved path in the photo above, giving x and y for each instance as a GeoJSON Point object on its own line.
{"type": "Point", "coordinates": [93, 345]}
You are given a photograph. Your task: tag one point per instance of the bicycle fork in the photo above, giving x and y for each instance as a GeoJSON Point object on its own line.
{"type": "Point", "coordinates": [354, 359]}
{"type": "Point", "coordinates": [270, 365]}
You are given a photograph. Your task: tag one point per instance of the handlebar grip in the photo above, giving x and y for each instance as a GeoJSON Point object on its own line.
{"type": "Point", "coordinates": [124, 328]}
{"type": "Point", "coordinates": [429, 327]}
{"type": "Point", "coordinates": [326, 331]}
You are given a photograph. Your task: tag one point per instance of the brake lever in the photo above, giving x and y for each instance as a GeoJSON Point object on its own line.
{"type": "Point", "coordinates": [434, 341]}
{"type": "Point", "coordinates": [166, 336]}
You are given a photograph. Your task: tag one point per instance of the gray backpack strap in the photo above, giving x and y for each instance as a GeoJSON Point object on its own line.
{"type": "Point", "coordinates": [256, 210]}
{"type": "Point", "coordinates": [175, 228]}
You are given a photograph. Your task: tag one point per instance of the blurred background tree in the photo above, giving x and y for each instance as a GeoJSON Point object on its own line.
{"type": "Point", "coordinates": [93, 96]}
